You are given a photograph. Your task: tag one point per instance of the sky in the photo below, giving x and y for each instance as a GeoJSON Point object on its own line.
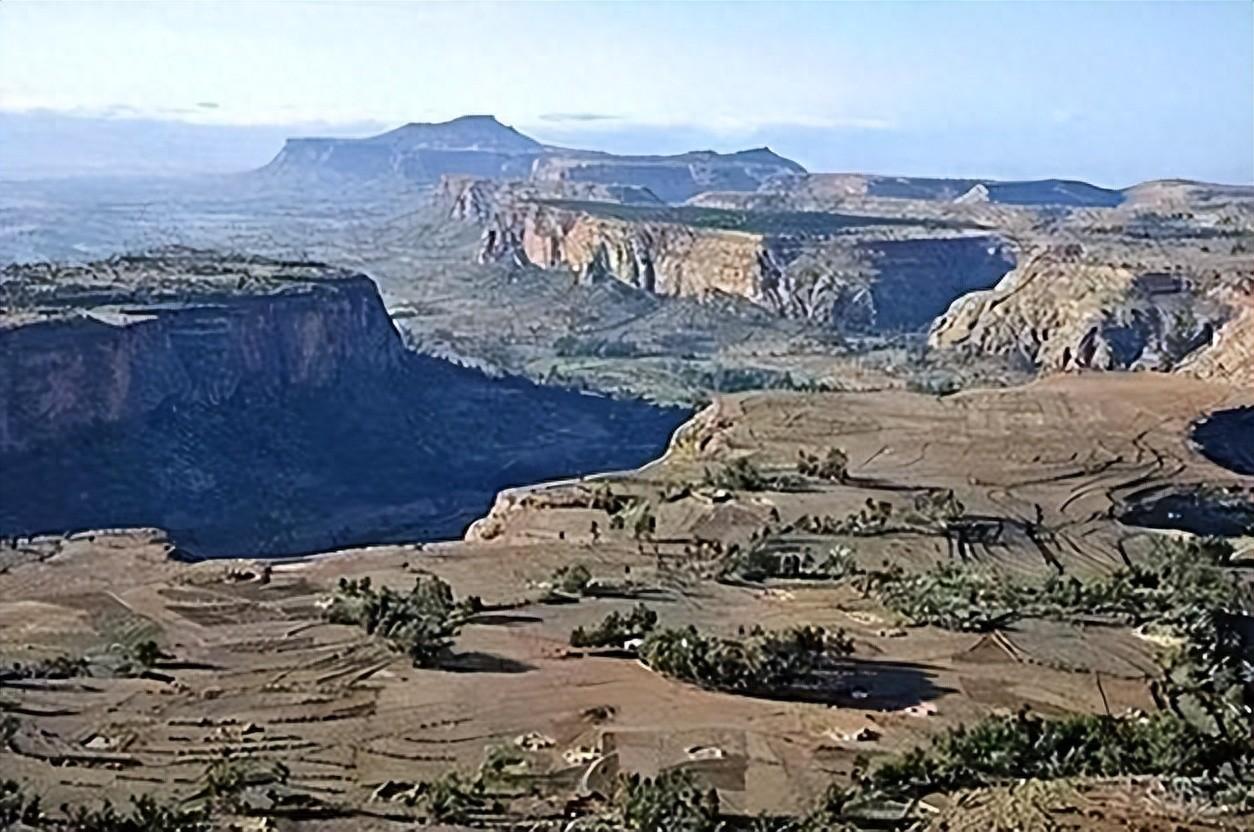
{"type": "Point", "coordinates": [1111, 92]}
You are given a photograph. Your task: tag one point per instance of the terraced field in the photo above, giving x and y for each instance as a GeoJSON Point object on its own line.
{"type": "Point", "coordinates": [252, 669]}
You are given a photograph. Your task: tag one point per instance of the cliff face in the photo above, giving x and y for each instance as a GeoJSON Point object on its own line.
{"type": "Point", "coordinates": [98, 345]}
{"type": "Point", "coordinates": [863, 273]}
{"type": "Point", "coordinates": [1063, 310]}
{"type": "Point", "coordinates": [1230, 355]}
{"type": "Point", "coordinates": [249, 406]}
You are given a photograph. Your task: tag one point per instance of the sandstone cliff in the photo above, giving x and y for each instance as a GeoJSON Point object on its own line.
{"type": "Point", "coordinates": [864, 273]}
{"type": "Point", "coordinates": [91, 345]}
{"type": "Point", "coordinates": [1067, 308]}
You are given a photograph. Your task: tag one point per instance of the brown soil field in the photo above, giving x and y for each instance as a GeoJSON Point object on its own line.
{"type": "Point", "coordinates": [257, 671]}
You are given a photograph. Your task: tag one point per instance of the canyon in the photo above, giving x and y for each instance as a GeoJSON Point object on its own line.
{"type": "Point", "coordinates": [454, 354]}
{"type": "Point", "coordinates": [253, 405]}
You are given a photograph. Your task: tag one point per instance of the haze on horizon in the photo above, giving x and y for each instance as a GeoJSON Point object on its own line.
{"type": "Point", "coordinates": [1113, 93]}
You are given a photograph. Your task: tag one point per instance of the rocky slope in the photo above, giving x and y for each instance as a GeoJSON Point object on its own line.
{"type": "Point", "coordinates": [863, 273]}
{"type": "Point", "coordinates": [483, 147]}
{"type": "Point", "coordinates": [1164, 282]}
{"type": "Point", "coordinates": [251, 404]}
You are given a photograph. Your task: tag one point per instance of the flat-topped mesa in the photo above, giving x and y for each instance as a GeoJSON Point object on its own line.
{"type": "Point", "coordinates": [481, 146]}
{"type": "Point", "coordinates": [826, 189]}
{"type": "Point", "coordinates": [672, 178]}
{"type": "Point", "coordinates": [110, 341]}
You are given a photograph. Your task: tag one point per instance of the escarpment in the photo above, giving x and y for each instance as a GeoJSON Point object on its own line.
{"type": "Point", "coordinates": [110, 342]}
{"type": "Point", "coordinates": [251, 405]}
{"type": "Point", "coordinates": [1068, 307]}
{"type": "Point", "coordinates": [862, 273]}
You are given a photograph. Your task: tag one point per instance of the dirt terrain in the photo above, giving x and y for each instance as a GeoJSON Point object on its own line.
{"type": "Point", "coordinates": [252, 668]}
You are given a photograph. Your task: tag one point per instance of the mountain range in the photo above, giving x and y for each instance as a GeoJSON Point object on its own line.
{"type": "Point", "coordinates": [481, 146]}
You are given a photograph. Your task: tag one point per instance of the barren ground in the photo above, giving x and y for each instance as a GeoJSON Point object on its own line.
{"type": "Point", "coordinates": [259, 672]}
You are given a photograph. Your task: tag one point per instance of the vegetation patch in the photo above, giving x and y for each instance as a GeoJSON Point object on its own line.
{"type": "Point", "coordinates": [762, 663]}
{"type": "Point", "coordinates": [671, 802]}
{"type": "Point", "coordinates": [421, 623]}
{"type": "Point", "coordinates": [821, 223]}
{"type": "Point", "coordinates": [1000, 750]}
{"type": "Point", "coordinates": [616, 629]}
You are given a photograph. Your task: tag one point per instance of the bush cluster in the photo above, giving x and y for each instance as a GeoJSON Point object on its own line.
{"type": "Point", "coordinates": [999, 750]}
{"type": "Point", "coordinates": [1170, 587]}
{"type": "Point", "coordinates": [420, 623]}
{"type": "Point", "coordinates": [833, 466]}
{"type": "Point", "coordinates": [616, 629]}
{"type": "Point", "coordinates": [740, 474]}
{"type": "Point", "coordinates": [761, 663]}
{"type": "Point", "coordinates": [670, 802]}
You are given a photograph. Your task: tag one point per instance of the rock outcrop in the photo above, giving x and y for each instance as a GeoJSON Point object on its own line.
{"type": "Point", "coordinates": [1066, 308]}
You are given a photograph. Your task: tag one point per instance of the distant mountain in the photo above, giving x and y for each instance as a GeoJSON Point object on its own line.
{"type": "Point", "coordinates": [464, 133]}
{"type": "Point", "coordinates": [481, 146]}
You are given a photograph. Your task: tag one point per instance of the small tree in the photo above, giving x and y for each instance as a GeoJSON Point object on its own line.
{"type": "Point", "coordinates": [670, 802]}
{"type": "Point", "coordinates": [616, 630]}
{"type": "Point", "coordinates": [834, 466]}
{"type": "Point", "coordinates": [572, 580]}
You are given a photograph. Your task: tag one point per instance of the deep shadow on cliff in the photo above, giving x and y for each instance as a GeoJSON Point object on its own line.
{"type": "Point", "coordinates": [256, 406]}
{"type": "Point", "coordinates": [412, 455]}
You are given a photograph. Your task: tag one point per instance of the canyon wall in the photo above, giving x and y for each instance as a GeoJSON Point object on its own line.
{"type": "Point", "coordinates": [253, 407]}
{"type": "Point", "coordinates": [88, 350]}
{"type": "Point", "coordinates": [1065, 308]}
{"type": "Point", "coordinates": [861, 273]}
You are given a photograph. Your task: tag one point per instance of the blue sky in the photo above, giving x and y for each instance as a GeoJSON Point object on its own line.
{"type": "Point", "coordinates": [1113, 92]}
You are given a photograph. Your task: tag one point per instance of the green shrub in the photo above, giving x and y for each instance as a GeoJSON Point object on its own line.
{"type": "Point", "coordinates": [670, 802]}
{"type": "Point", "coordinates": [834, 465]}
{"type": "Point", "coordinates": [453, 798]}
{"type": "Point", "coordinates": [421, 623]}
{"type": "Point", "coordinates": [1004, 749]}
{"type": "Point", "coordinates": [572, 580]}
{"type": "Point", "coordinates": [616, 629]}
{"type": "Point", "coordinates": [738, 475]}
{"type": "Point", "coordinates": [951, 596]}
{"type": "Point", "coordinates": [226, 778]}
{"type": "Point", "coordinates": [16, 806]}
{"type": "Point", "coordinates": [761, 663]}
{"type": "Point", "coordinates": [145, 815]}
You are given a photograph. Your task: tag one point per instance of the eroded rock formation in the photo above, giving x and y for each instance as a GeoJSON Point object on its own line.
{"type": "Point", "coordinates": [859, 272]}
